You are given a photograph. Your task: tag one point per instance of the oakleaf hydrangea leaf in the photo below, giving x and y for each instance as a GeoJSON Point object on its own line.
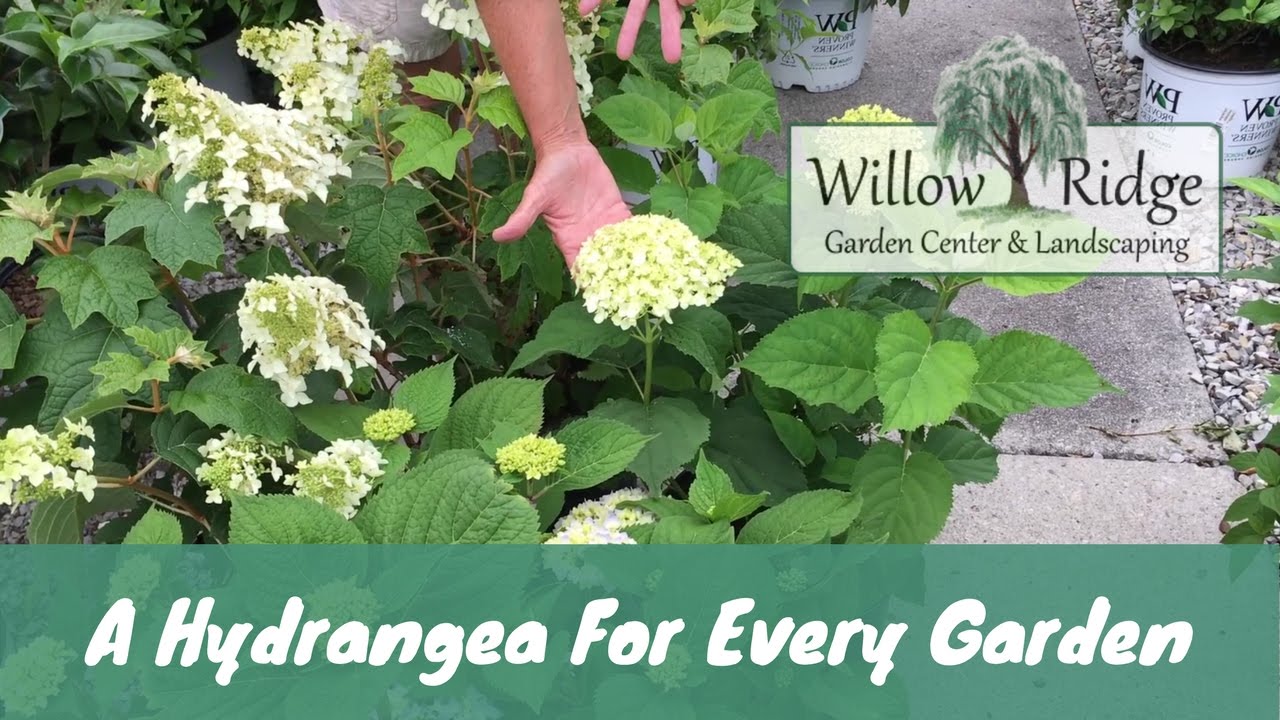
{"type": "Point", "coordinates": [13, 327]}
{"type": "Point", "coordinates": [172, 344]}
{"type": "Point", "coordinates": [110, 281]}
{"type": "Point", "coordinates": [122, 372]}
{"type": "Point", "coordinates": [384, 226]}
{"type": "Point", "coordinates": [173, 235]}
{"type": "Point", "coordinates": [920, 382]}
{"type": "Point", "coordinates": [17, 237]}
{"type": "Point", "coordinates": [429, 142]}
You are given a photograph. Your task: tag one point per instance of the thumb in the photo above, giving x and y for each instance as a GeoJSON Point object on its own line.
{"type": "Point", "coordinates": [526, 214]}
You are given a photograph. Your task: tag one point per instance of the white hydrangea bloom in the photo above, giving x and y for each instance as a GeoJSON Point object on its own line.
{"type": "Point", "coordinates": [605, 513]}
{"type": "Point", "coordinates": [300, 325]}
{"type": "Point", "coordinates": [36, 466]}
{"type": "Point", "coordinates": [462, 18]}
{"type": "Point", "coordinates": [589, 532]}
{"type": "Point", "coordinates": [648, 266]}
{"type": "Point", "coordinates": [322, 69]}
{"type": "Point", "coordinates": [252, 159]}
{"type": "Point", "coordinates": [235, 464]}
{"type": "Point", "coordinates": [339, 476]}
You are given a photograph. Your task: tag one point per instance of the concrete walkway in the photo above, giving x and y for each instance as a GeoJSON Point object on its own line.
{"type": "Point", "coordinates": [1101, 473]}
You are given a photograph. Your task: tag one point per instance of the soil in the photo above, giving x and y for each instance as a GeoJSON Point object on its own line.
{"type": "Point", "coordinates": [1258, 55]}
{"type": "Point", "coordinates": [21, 290]}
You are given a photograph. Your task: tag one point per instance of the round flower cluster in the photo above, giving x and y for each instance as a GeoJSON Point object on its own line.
{"type": "Point", "coordinates": [581, 532]}
{"type": "Point", "coordinates": [388, 425]}
{"type": "Point", "coordinates": [322, 69]}
{"type": "Point", "coordinates": [340, 476]}
{"type": "Point", "coordinates": [35, 466]}
{"type": "Point", "coordinates": [602, 522]}
{"type": "Point", "coordinates": [462, 18]}
{"type": "Point", "coordinates": [300, 325]}
{"type": "Point", "coordinates": [649, 265]}
{"type": "Point", "coordinates": [837, 143]}
{"type": "Point", "coordinates": [531, 456]}
{"type": "Point", "coordinates": [235, 464]}
{"type": "Point", "coordinates": [32, 675]}
{"type": "Point", "coordinates": [252, 159]}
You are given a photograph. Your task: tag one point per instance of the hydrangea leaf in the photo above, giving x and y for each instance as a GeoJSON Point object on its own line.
{"type": "Point", "coordinates": [288, 520]}
{"type": "Point", "coordinates": [61, 521]}
{"type": "Point", "coordinates": [511, 401]}
{"type": "Point", "coordinates": [439, 85]}
{"type": "Point", "coordinates": [453, 499]}
{"type": "Point", "coordinates": [795, 435]}
{"type": "Point", "coordinates": [124, 372]}
{"type": "Point", "coordinates": [825, 356]}
{"type": "Point", "coordinates": [745, 445]}
{"type": "Point", "coordinates": [17, 237]}
{"type": "Point", "coordinates": [177, 438]}
{"type": "Point", "coordinates": [175, 344]}
{"type": "Point", "coordinates": [804, 519]}
{"type": "Point", "coordinates": [110, 281]}
{"type": "Point", "coordinates": [384, 226]}
{"type": "Point", "coordinates": [156, 527]}
{"type": "Point", "coordinates": [906, 498]}
{"type": "Point", "coordinates": [713, 17]}
{"type": "Point", "coordinates": [1261, 312]}
{"type": "Point", "coordinates": [967, 456]}
{"type": "Point", "coordinates": [261, 264]}
{"type": "Point", "coordinates": [1018, 370]}
{"type": "Point", "coordinates": [1028, 285]}
{"type": "Point", "coordinates": [704, 65]}
{"type": "Point", "coordinates": [427, 394]}
{"type": "Point", "coordinates": [713, 496]}
{"type": "Point", "coordinates": [569, 330]}
{"type": "Point", "coordinates": [13, 327]}
{"type": "Point", "coordinates": [677, 427]}
{"type": "Point", "coordinates": [228, 396]}
{"type": "Point", "coordinates": [750, 181]}
{"type": "Point", "coordinates": [725, 120]}
{"type": "Point", "coordinates": [632, 172]}
{"type": "Point", "coordinates": [334, 421]}
{"type": "Point", "coordinates": [637, 119]}
{"type": "Point", "coordinates": [221, 331]}
{"type": "Point", "coordinates": [698, 207]}
{"type": "Point", "coordinates": [920, 382]}
{"type": "Point", "coordinates": [64, 355]}
{"type": "Point", "coordinates": [498, 106]}
{"type": "Point", "coordinates": [173, 235]}
{"type": "Point", "coordinates": [596, 449]}
{"type": "Point", "coordinates": [751, 76]}
{"type": "Point", "coordinates": [757, 235]}
{"type": "Point", "coordinates": [679, 530]}
{"type": "Point", "coordinates": [703, 334]}
{"type": "Point", "coordinates": [429, 142]}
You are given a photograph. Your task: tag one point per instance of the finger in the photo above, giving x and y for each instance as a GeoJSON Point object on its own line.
{"type": "Point", "coordinates": [687, 3]}
{"type": "Point", "coordinates": [586, 7]}
{"type": "Point", "coordinates": [631, 28]}
{"type": "Point", "coordinates": [672, 18]}
{"type": "Point", "coordinates": [525, 215]}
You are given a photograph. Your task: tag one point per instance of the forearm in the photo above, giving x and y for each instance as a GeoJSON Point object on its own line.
{"type": "Point", "coordinates": [528, 38]}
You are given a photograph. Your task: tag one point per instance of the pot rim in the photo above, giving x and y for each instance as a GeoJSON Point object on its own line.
{"type": "Point", "coordinates": [1166, 57]}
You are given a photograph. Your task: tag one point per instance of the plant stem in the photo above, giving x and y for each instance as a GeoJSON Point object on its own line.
{"type": "Point", "coordinates": [160, 497]}
{"type": "Point", "coordinates": [650, 340]}
{"type": "Point", "coordinates": [384, 148]}
{"type": "Point", "coordinates": [302, 255]}
{"type": "Point", "coordinates": [155, 397]}
{"type": "Point", "coordinates": [183, 298]}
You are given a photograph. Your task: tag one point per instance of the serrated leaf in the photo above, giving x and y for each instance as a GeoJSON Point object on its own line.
{"type": "Point", "coordinates": [177, 438]}
{"type": "Point", "coordinates": [288, 520]}
{"type": "Point", "coordinates": [156, 527]}
{"type": "Point", "coordinates": [228, 396]}
{"type": "Point", "coordinates": [906, 498]}
{"type": "Point", "coordinates": [920, 382]}
{"type": "Point", "coordinates": [173, 235]}
{"type": "Point", "coordinates": [757, 235]}
{"type": "Point", "coordinates": [967, 457]}
{"type": "Point", "coordinates": [1019, 370]}
{"type": "Point", "coordinates": [511, 401]}
{"type": "Point", "coordinates": [123, 372]}
{"type": "Point", "coordinates": [569, 330]}
{"type": "Point", "coordinates": [680, 530]}
{"type": "Point", "coordinates": [713, 17]}
{"type": "Point", "coordinates": [1028, 285]}
{"type": "Point", "coordinates": [795, 435]}
{"type": "Point", "coordinates": [596, 449]}
{"type": "Point", "coordinates": [704, 65]}
{"type": "Point", "coordinates": [109, 281]}
{"type": "Point", "coordinates": [17, 238]}
{"type": "Point", "coordinates": [334, 421]}
{"type": "Point", "coordinates": [703, 334]}
{"type": "Point", "coordinates": [749, 181]}
{"type": "Point", "coordinates": [712, 494]}
{"type": "Point", "coordinates": [745, 445]}
{"type": "Point", "coordinates": [676, 427]}
{"type": "Point", "coordinates": [698, 207]}
{"type": "Point", "coordinates": [632, 171]}
{"type": "Point", "coordinates": [637, 119]}
{"type": "Point", "coordinates": [427, 394]}
{"type": "Point", "coordinates": [384, 226]}
{"type": "Point", "coordinates": [263, 263]}
{"type": "Point", "coordinates": [807, 518]}
{"type": "Point", "coordinates": [454, 499]}
{"type": "Point", "coordinates": [429, 142]}
{"type": "Point", "coordinates": [439, 85]}
{"type": "Point", "coordinates": [174, 344]}
{"type": "Point", "coordinates": [13, 327]}
{"type": "Point", "coordinates": [725, 120]}
{"type": "Point", "coordinates": [499, 107]}
{"type": "Point", "coordinates": [825, 356]}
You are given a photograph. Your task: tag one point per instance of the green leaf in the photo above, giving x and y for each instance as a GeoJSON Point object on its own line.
{"type": "Point", "coordinates": [750, 180]}
{"type": "Point", "coordinates": [13, 327]}
{"type": "Point", "coordinates": [156, 527]}
{"type": "Point", "coordinates": [61, 521]}
{"type": "Point", "coordinates": [825, 356]}
{"type": "Point", "coordinates": [1028, 285]}
{"type": "Point", "coordinates": [1261, 312]}
{"type": "Point", "coordinates": [805, 519]}
{"type": "Point", "coordinates": [676, 428]}
{"type": "Point", "coordinates": [177, 438]}
{"type": "Point", "coordinates": [454, 499]}
{"type": "Point", "coordinates": [758, 236]}
{"type": "Point", "coordinates": [334, 421]}
{"type": "Point", "coordinates": [967, 457]}
{"type": "Point", "coordinates": [288, 520]}
{"type": "Point", "coordinates": [429, 142]}
{"type": "Point", "coordinates": [171, 343]}
{"type": "Point", "coordinates": [499, 107]}
{"type": "Point", "coordinates": [427, 394]}
{"type": "Point", "coordinates": [173, 235]}
{"type": "Point", "coordinates": [713, 17]}
{"type": "Point", "coordinates": [17, 238]}
{"type": "Point", "coordinates": [439, 85]}
{"type": "Point", "coordinates": [596, 449]}
{"type": "Point", "coordinates": [713, 496]}
{"type": "Point", "coordinates": [920, 383]}
{"type": "Point", "coordinates": [123, 372]}
{"type": "Point", "coordinates": [1261, 187]}
{"type": "Point", "coordinates": [698, 207]}
{"type": "Point", "coordinates": [679, 530]}
{"type": "Point", "coordinates": [795, 435]}
{"type": "Point", "coordinates": [744, 443]}
{"type": "Point", "coordinates": [228, 396]}
{"type": "Point", "coordinates": [1244, 506]}
{"type": "Point", "coordinates": [110, 281]}
{"type": "Point", "coordinates": [704, 65]}
{"type": "Point", "coordinates": [384, 226]}
{"type": "Point", "coordinates": [261, 264]}
{"type": "Point", "coordinates": [1268, 466]}
{"type": "Point", "coordinates": [569, 330]}
{"type": "Point", "coordinates": [118, 31]}
{"type": "Point", "coordinates": [906, 498]}
{"type": "Point", "coordinates": [632, 171]}
{"type": "Point", "coordinates": [637, 119]}
{"type": "Point", "coordinates": [510, 401]}
{"type": "Point", "coordinates": [725, 120]}
{"type": "Point", "coordinates": [703, 334]}
{"type": "Point", "coordinates": [1019, 370]}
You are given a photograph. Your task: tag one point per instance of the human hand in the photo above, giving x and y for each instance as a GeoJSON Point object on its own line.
{"type": "Point", "coordinates": [573, 190]}
{"type": "Point", "coordinates": [670, 14]}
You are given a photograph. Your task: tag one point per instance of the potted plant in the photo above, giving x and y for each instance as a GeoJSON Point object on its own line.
{"type": "Point", "coordinates": [822, 44]}
{"type": "Point", "coordinates": [1214, 61]}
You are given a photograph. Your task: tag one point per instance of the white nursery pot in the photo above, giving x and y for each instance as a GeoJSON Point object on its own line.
{"type": "Point", "coordinates": [1131, 39]}
{"type": "Point", "coordinates": [707, 165]}
{"type": "Point", "coordinates": [831, 61]}
{"type": "Point", "coordinates": [222, 69]}
{"type": "Point", "coordinates": [1246, 105]}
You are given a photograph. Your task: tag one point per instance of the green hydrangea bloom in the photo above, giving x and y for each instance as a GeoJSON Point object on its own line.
{"type": "Point", "coordinates": [33, 675]}
{"type": "Point", "coordinates": [532, 457]}
{"type": "Point", "coordinates": [388, 425]}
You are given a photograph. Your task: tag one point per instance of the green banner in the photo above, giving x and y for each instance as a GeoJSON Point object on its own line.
{"type": "Point", "coordinates": [488, 632]}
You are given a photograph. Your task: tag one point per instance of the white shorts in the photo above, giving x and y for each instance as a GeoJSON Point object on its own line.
{"type": "Point", "coordinates": [399, 20]}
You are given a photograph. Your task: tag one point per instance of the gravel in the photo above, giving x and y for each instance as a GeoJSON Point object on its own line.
{"type": "Point", "coordinates": [1234, 356]}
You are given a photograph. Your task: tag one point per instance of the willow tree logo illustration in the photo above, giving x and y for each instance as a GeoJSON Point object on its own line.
{"type": "Point", "coordinates": [1014, 103]}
